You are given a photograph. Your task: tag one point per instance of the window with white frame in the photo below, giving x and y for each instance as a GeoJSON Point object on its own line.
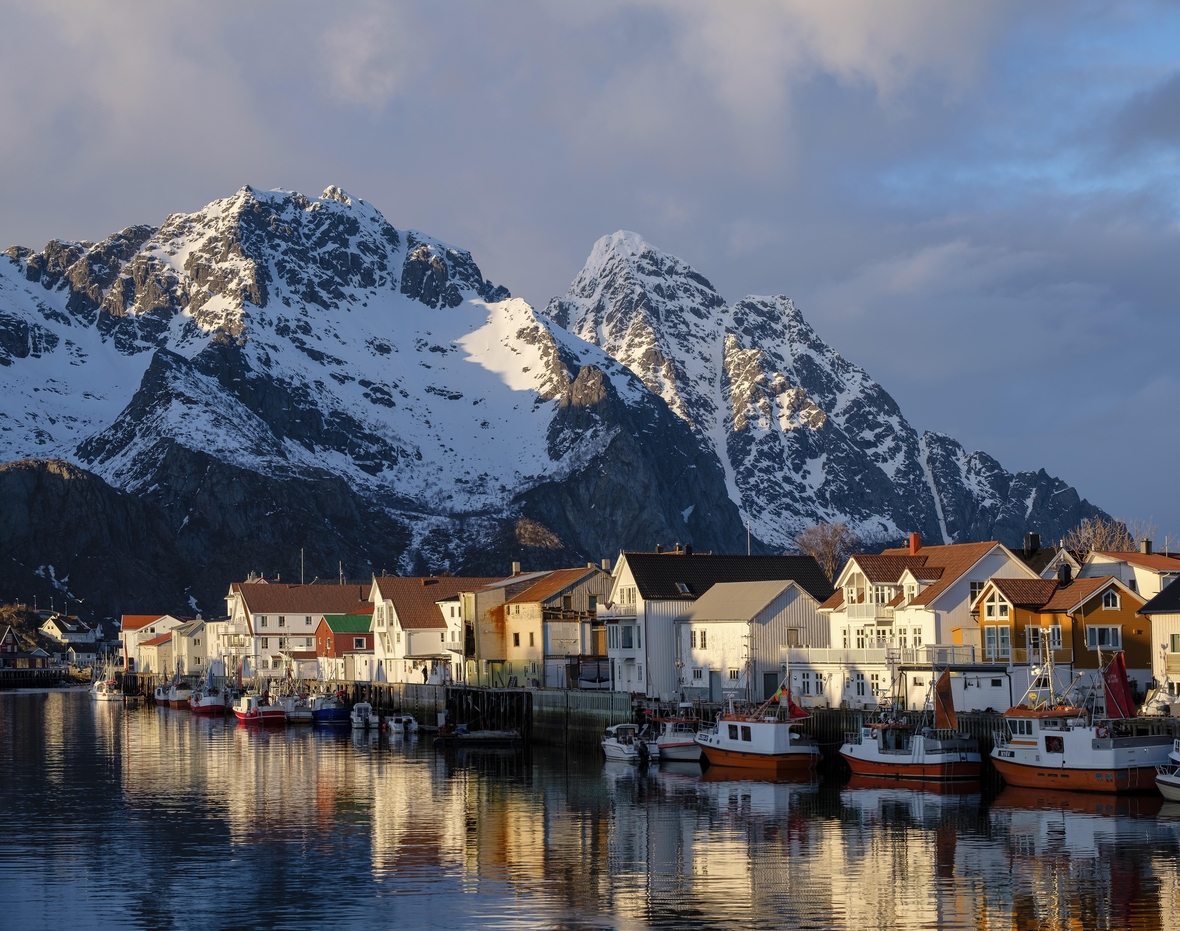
{"type": "Point", "coordinates": [901, 638]}
{"type": "Point", "coordinates": [282, 621]}
{"type": "Point", "coordinates": [697, 674]}
{"type": "Point", "coordinates": [1104, 638]}
{"type": "Point", "coordinates": [307, 620]}
{"type": "Point", "coordinates": [735, 674]}
{"type": "Point", "coordinates": [917, 632]}
{"type": "Point", "coordinates": [704, 639]}
{"type": "Point", "coordinates": [612, 636]}
{"type": "Point", "coordinates": [995, 606]}
{"type": "Point", "coordinates": [806, 683]}
{"type": "Point", "coordinates": [845, 632]}
{"type": "Point", "coordinates": [266, 643]}
{"type": "Point", "coordinates": [380, 615]}
{"type": "Point", "coordinates": [692, 639]}
{"type": "Point", "coordinates": [819, 683]}
{"type": "Point", "coordinates": [1110, 600]}
{"type": "Point", "coordinates": [997, 641]}
{"type": "Point", "coordinates": [263, 620]}
{"type": "Point", "coordinates": [976, 588]}
{"type": "Point", "coordinates": [1055, 637]}
{"type": "Point", "coordinates": [911, 591]}
{"type": "Point", "coordinates": [1174, 646]}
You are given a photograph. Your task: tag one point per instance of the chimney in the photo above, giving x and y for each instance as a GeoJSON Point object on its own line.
{"type": "Point", "coordinates": [589, 565]}
{"type": "Point", "coordinates": [659, 547]}
{"type": "Point", "coordinates": [606, 565]}
{"type": "Point", "coordinates": [915, 543]}
{"type": "Point", "coordinates": [688, 550]}
{"type": "Point", "coordinates": [516, 568]}
{"type": "Point", "coordinates": [1032, 543]}
{"type": "Point", "coordinates": [1145, 547]}
{"type": "Point", "coordinates": [1064, 573]}
{"type": "Point", "coordinates": [679, 548]}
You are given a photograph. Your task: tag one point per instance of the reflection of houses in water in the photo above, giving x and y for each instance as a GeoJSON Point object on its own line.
{"type": "Point", "coordinates": [1078, 860]}
{"type": "Point", "coordinates": [898, 862]}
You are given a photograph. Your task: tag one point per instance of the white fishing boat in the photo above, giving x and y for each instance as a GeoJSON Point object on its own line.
{"type": "Point", "coordinates": [1051, 742]}
{"type": "Point", "coordinates": [104, 687]}
{"type": "Point", "coordinates": [1167, 780]}
{"type": "Point", "coordinates": [363, 718]}
{"type": "Point", "coordinates": [160, 695]}
{"type": "Point", "coordinates": [298, 709]}
{"type": "Point", "coordinates": [677, 740]}
{"type": "Point", "coordinates": [622, 743]}
{"type": "Point", "coordinates": [765, 739]}
{"type": "Point", "coordinates": [178, 694]}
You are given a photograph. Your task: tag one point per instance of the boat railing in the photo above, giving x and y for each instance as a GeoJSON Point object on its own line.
{"type": "Point", "coordinates": [1000, 737]}
{"type": "Point", "coordinates": [853, 737]}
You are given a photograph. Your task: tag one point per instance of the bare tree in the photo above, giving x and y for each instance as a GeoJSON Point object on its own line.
{"type": "Point", "coordinates": [1111, 536]}
{"type": "Point", "coordinates": [830, 544]}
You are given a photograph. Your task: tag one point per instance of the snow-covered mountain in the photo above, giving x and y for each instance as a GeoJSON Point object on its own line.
{"type": "Point", "coordinates": [276, 373]}
{"type": "Point", "coordinates": [803, 434]}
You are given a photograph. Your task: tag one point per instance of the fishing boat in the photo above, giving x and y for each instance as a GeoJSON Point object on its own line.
{"type": "Point", "coordinates": [257, 709]}
{"type": "Point", "coordinates": [329, 709]}
{"type": "Point", "coordinates": [622, 743]}
{"type": "Point", "coordinates": [894, 747]}
{"type": "Point", "coordinates": [160, 694]}
{"type": "Point", "coordinates": [1051, 742]}
{"type": "Point", "coordinates": [363, 717]}
{"type": "Point", "coordinates": [104, 687]}
{"type": "Point", "coordinates": [1167, 780]}
{"type": "Point", "coordinates": [676, 740]}
{"type": "Point", "coordinates": [179, 693]}
{"type": "Point", "coordinates": [764, 739]}
{"type": "Point", "coordinates": [297, 708]}
{"type": "Point", "coordinates": [208, 699]}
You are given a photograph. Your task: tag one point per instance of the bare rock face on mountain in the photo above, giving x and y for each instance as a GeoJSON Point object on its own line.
{"type": "Point", "coordinates": [803, 434]}
{"type": "Point", "coordinates": [291, 384]}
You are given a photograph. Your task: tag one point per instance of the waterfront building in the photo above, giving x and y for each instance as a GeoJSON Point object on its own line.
{"type": "Point", "coordinates": [412, 639]}
{"type": "Point", "coordinates": [137, 629]}
{"type": "Point", "coordinates": [650, 591]}
{"type": "Point", "coordinates": [1144, 572]}
{"type": "Point", "coordinates": [190, 648]}
{"type": "Point", "coordinates": [13, 657]}
{"type": "Point", "coordinates": [729, 641]}
{"type": "Point", "coordinates": [63, 628]}
{"type": "Point", "coordinates": [337, 634]}
{"type": "Point", "coordinates": [553, 625]}
{"type": "Point", "coordinates": [485, 633]}
{"type": "Point", "coordinates": [1163, 614]}
{"type": "Point", "coordinates": [155, 655]}
{"type": "Point", "coordinates": [269, 620]}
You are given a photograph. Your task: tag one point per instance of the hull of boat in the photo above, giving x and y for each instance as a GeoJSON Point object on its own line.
{"type": "Point", "coordinates": [1169, 786]}
{"type": "Point", "coordinates": [1104, 781]}
{"type": "Point", "coordinates": [261, 717]}
{"type": "Point", "coordinates": [620, 753]}
{"type": "Point", "coordinates": [681, 752]}
{"type": "Point", "coordinates": [946, 770]}
{"type": "Point", "coordinates": [106, 696]}
{"type": "Point", "coordinates": [208, 708]}
{"type": "Point", "coordinates": [780, 764]}
{"type": "Point", "coordinates": [331, 716]}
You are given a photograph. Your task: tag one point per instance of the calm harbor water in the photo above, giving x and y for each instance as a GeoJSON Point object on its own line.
{"type": "Point", "coordinates": [130, 817]}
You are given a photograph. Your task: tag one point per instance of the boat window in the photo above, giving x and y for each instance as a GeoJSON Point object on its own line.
{"type": "Point", "coordinates": [733, 732]}
{"type": "Point", "coordinates": [1054, 744]}
{"type": "Point", "coordinates": [745, 733]}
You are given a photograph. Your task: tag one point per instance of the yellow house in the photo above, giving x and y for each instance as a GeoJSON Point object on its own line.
{"type": "Point", "coordinates": [1077, 619]}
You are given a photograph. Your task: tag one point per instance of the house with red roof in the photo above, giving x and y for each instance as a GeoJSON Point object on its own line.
{"type": "Point", "coordinates": [1144, 571]}
{"type": "Point", "coordinates": [137, 629]}
{"type": "Point", "coordinates": [269, 621]}
{"type": "Point", "coordinates": [155, 655]}
{"type": "Point", "coordinates": [550, 626]}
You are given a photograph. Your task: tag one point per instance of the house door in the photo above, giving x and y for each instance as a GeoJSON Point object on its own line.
{"type": "Point", "coordinates": [715, 686]}
{"type": "Point", "coordinates": [769, 685]}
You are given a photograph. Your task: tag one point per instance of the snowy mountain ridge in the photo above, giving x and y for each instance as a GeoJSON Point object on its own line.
{"type": "Point", "coordinates": [281, 372]}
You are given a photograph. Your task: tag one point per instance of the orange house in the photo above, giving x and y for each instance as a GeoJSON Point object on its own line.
{"type": "Point", "coordinates": [1077, 619]}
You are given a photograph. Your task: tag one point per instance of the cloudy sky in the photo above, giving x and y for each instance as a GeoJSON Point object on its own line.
{"type": "Point", "coordinates": [975, 202]}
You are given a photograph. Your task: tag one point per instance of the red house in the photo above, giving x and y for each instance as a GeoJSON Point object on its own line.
{"type": "Point", "coordinates": [338, 634]}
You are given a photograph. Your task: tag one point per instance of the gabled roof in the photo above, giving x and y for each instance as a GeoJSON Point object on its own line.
{"type": "Point", "coordinates": [887, 567]}
{"type": "Point", "coordinates": [414, 598]}
{"type": "Point", "coordinates": [657, 574]}
{"type": "Point", "coordinates": [9, 630]}
{"type": "Point", "coordinates": [1166, 602]}
{"type": "Point", "coordinates": [188, 628]}
{"type": "Point", "coordinates": [735, 601]}
{"type": "Point", "coordinates": [1049, 596]}
{"type": "Point", "coordinates": [348, 623]}
{"type": "Point", "coordinates": [282, 598]}
{"type": "Point", "coordinates": [955, 559]}
{"type": "Point", "coordinates": [554, 584]}
{"type": "Point", "coordinates": [834, 602]}
{"type": "Point", "coordinates": [136, 621]}
{"type": "Point", "coordinates": [1024, 593]}
{"type": "Point", "coordinates": [156, 641]}
{"type": "Point", "coordinates": [1155, 561]}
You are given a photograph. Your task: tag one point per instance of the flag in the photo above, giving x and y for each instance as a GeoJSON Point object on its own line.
{"type": "Point", "coordinates": [944, 703]}
{"type": "Point", "coordinates": [1119, 701]}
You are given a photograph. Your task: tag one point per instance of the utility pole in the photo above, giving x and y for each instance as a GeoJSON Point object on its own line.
{"type": "Point", "coordinates": [301, 574]}
{"type": "Point", "coordinates": [747, 538]}
{"type": "Point", "coordinates": [341, 572]}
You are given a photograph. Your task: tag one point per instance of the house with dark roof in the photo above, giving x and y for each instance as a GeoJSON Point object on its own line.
{"type": "Point", "coordinates": [1163, 614]}
{"type": "Point", "coordinates": [895, 614]}
{"type": "Point", "coordinates": [552, 626]}
{"type": "Point", "coordinates": [65, 628]}
{"type": "Point", "coordinates": [1080, 622]}
{"type": "Point", "coordinates": [650, 592]}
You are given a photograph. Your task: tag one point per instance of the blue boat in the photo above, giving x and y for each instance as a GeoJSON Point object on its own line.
{"type": "Point", "coordinates": [330, 709]}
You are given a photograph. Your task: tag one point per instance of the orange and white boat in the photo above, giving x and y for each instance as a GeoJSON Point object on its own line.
{"type": "Point", "coordinates": [1053, 744]}
{"type": "Point", "coordinates": [895, 748]}
{"type": "Point", "coordinates": [764, 740]}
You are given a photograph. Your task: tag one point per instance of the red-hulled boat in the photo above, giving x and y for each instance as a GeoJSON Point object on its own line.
{"type": "Point", "coordinates": [253, 709]}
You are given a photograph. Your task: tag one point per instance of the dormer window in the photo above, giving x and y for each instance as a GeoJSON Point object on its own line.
{"type": "Point", "coordinates": [682, 587]}
{"type": "Point", "coordinates": [911, 591]}
{"type": "Point", "coordinates": [995, 606]}
{"type": "Point", "coordinates": [1110, 600]}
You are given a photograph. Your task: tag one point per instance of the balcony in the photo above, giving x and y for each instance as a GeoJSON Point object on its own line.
{"type": "Point", "coordinates": [615, 611]}
{"type": "Point", "coordinates": [869, 612]}
{"type": "Point", "coordinates": [1023, 657]}
{"type": "Point", "coordinates": [934, 655]}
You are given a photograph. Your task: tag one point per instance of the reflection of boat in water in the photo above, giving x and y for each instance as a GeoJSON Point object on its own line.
{"type": "Point", "coordinates": [934, 787]}
{"type": "Point", "coordinates": [1014, 798]}
{"type": "Point", "coordinates": [461, 737]}
{"type": "Point", "coordinates": [759, 774]}
{"type": "Point", "coordinates": [400, 724]}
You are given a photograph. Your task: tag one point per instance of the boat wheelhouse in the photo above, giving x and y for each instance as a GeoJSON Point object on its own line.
{"type": "Point", "coordinates": [897, 749]}
{"type": "Point", "coordinates": [760, 742]}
